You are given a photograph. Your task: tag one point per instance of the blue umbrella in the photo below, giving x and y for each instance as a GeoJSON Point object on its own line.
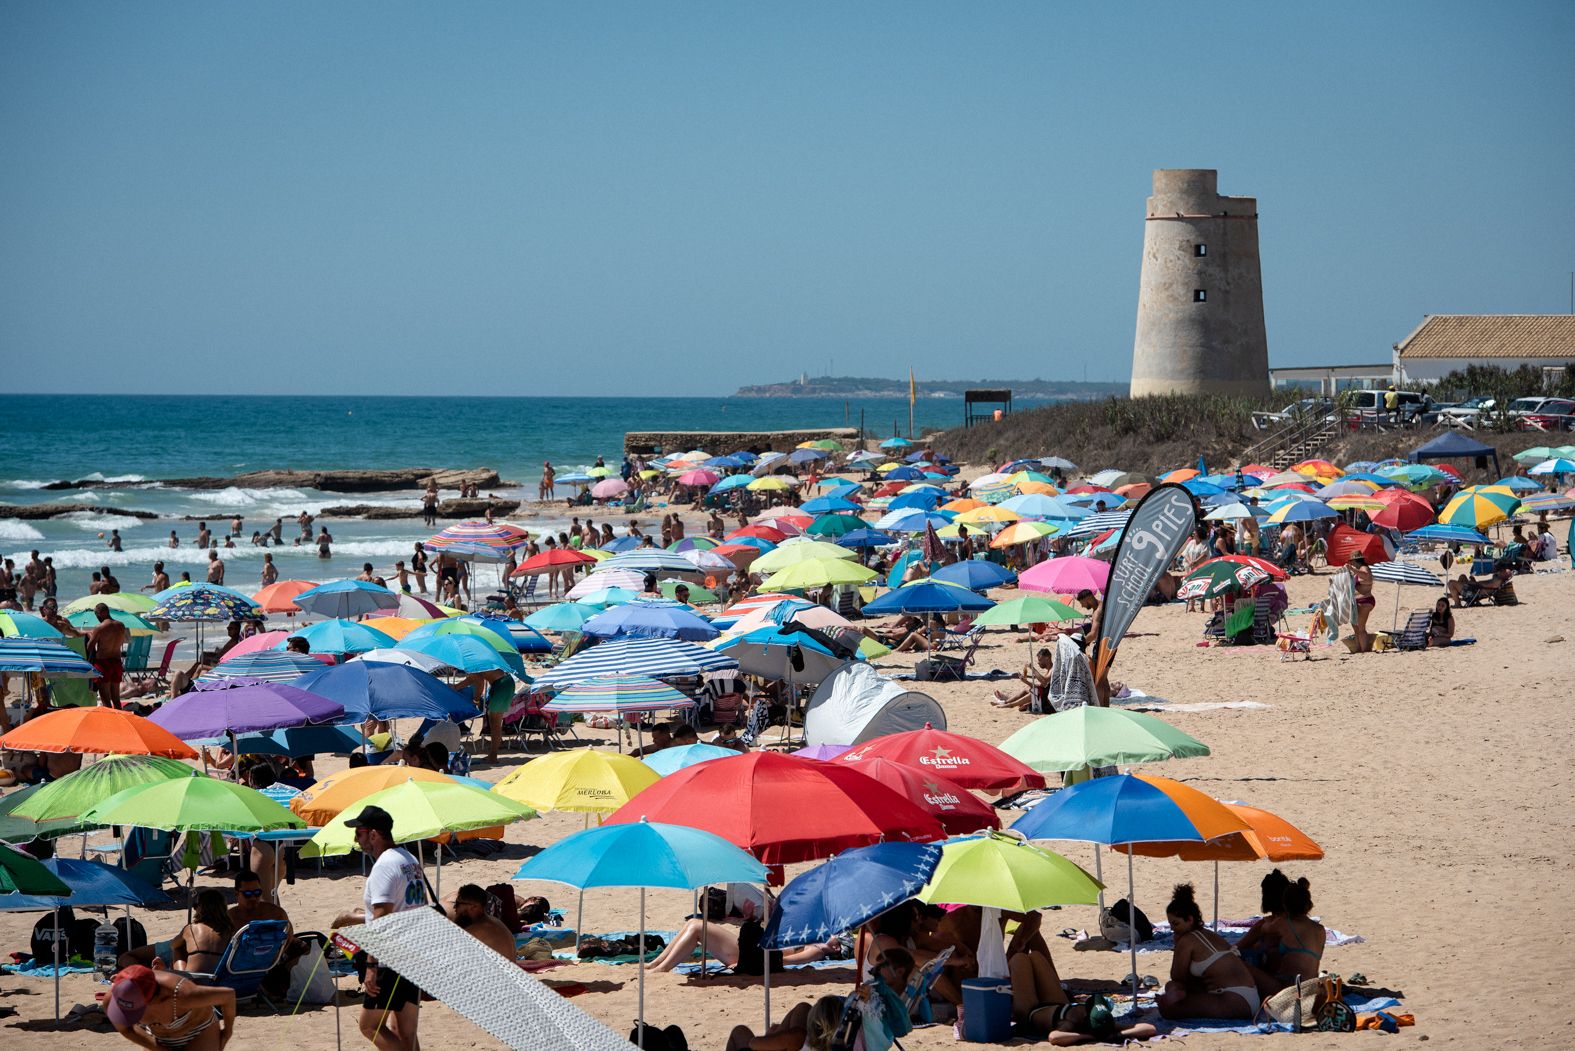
{"type": "Point", "coordinates": [644, 854]}
{"type": "Point", "coordinates": [341, 636]}
{"type": "Point", "coordinates": [564, 616]}
{"type": "Point", "coordinates": [32, 626]}
{"type": "Point", "coordinates": [600, 599]}
{"type": "Point", "coordinates": [635, 655]}
{"type": "Point", "coordinates": [718, 463]}
{"type": "Point", "coordinates": [265, 666]}
{"type": "Point", "coordinates": [829, 505]}
{"type": "Point", "coordinates": [1518, 483]}
{"type": "Point", "coordinates": [913, 520]}
{"type": "Point", "coordinates": [202, 602]}
{"type": "Point", "coordinates": [45, 655]}
{"type": "Point", "coordinates": [786, 656]}
{"type": "Point", "coordinates": [895, 443]}
{"type": "Point", "coordinates": [387, 691]}
{"type": "Point", "coordinates": [346, 598]}
{"type": "Point", "coordinates": [807, 455]}
{"type": "Point", "coordinates": [669, 760]}
{"type": "Point", "coordinates": [852, 888]}
{"type": "Point", "coordinates": [731, 482]}
{"type": "Point", "coordinates": [526, 638]}
{"type": "Point", "coordinates": [464, 653]}
{"type": "Point", "coordinates": [904, 474]}
{"type": "Point", "coordinates": [622, 543]}
{"type": "Point", "coordinates": [295, 741]}
{"type": "Point", "coordinates": [920, 501]}
{"type": "Point", "coordinates": [842, 490]}
{"type": "Point", "coordinates": [927, 597]}
{"type": "Point", "coordinates": [665, 620]}
{"type": "Point", "coordinates": [499, 640]}
{"type": "Point", "coordinates": [866, 538]}
{"type": "Point", "coordinates": [1448, 534]}
{"type": "Point", "coordinates": [975, 574]}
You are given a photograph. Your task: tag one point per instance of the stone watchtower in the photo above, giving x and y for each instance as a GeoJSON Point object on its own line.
{"type": "Point", "coordinates": [1200, 301]}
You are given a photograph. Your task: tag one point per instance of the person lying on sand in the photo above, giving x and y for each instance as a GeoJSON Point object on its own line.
{"type": "Point", "coordinates": [803, 1027]}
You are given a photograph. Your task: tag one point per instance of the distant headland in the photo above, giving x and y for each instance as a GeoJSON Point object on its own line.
{"type": "Point", "coordinates": [876, 387]}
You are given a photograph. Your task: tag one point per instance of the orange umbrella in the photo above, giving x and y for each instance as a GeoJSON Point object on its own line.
{"type": "Point", "coordinates": [96, 730]}
{"type": "Point", "coordinates": [322, 802]}
{"type": "Point", "coordinates": [1268, 837]}
{"type": "Point", "coordinates": [961, 504]}
{"type": "Point", "coordinates": [1135, 491]}
{"type": "Point", "coordinates": [395, 628]}
{"type": "Point", "coordinates": [280, 597]}
{"type": "Point", "coordinates": [1184, 474]}
{"type": "Point", "coordinates": [1042, 488]}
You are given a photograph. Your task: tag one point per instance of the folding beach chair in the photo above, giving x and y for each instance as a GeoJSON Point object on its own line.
{"type": "Point", "coordinates": [254, 951]}
{"type": "Point", "coordinates": [1263, 632]}
{"type": "Point", "coordinates": [138, 648]}
{"type": "Point", "coordinates": [1414, 635]}
{"type": "Point", "coordinates": [966, 639]}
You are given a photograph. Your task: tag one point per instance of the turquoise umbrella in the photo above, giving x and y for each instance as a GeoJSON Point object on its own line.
{"type": "Point", "coordinates": [564, 616]}
{"type": "Point", "coordinates": [669, 760]}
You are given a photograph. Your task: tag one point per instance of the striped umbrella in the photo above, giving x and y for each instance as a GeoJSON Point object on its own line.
{"type": "Point", "coordinates": [1098, 522]}
{"type": "Point", "coordinates": [1477, 510]}
{"type": "Point", "coordinates": [266, 665]}
{"type": "Point", "coordinates": [28, 626]}
{"type": "Point", "coordinates": [1403, 573]}
{"type": "Point", "coordinates": [500, 537]}
{"type": "Point", "coordinates": [603, 579]}
{"type": "Point", "coordinates": [655, 658]}
{"type": "Point", "coordinates": [1300, 511]}
{"type": "Point", "coordinates": [45, 655]}
{"type": "Point", "coordinates": [649, 560]}
{"type": "Point", "coordinates": [621, 693]}
{"type": "Point", "coordinates": [1557, 465]}
{"type": "Point", "coordinates": [1542, 502]}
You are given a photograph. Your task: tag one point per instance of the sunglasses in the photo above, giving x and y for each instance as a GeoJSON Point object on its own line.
{"type": "Point", "coordinates": [252, 893]}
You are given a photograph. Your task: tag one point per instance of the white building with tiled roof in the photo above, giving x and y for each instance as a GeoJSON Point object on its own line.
{"type": "Point", "coordinates": [1443, 343]}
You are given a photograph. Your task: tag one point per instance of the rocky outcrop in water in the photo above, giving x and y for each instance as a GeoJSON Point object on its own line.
{"type": "Point", "coordinates": [40, 511]}
{"type": "Point", "coordinates": [455, 509]}
{"type": "Point", "coordinates": [366, 481]}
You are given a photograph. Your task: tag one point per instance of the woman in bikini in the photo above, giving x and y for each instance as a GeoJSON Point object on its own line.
{"type": "Point", "coordinates": [1362, 578]}
{"type": "Point", "coordinates": [199, 944]}
{"type": "Point", "coordinates": [1298, 939]}
{"type": "Point", "coordinates": [1207, 977]}
{"type": "Point", "coordinates": [155, 1008]}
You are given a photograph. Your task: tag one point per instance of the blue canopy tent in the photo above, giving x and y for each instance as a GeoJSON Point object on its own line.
{"type": "Point", "coordinates": [1453, 445]}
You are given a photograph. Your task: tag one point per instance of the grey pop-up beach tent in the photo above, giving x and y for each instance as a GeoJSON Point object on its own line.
{"type": "Point", "coordinates": [1452, 445]}
{"type": "Point", "coordinates": [855, 704]}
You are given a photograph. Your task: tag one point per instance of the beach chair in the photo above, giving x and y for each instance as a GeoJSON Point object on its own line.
{"type": "Point", "coordinates": [149, 854]}
{"type": "Point", "coordinates": [966, 639]}
{"type": "Point", "coordinates": [135, 657]}
{"type": "Point", "coordinates": [848, 606]}
{"type": "Point", "coordinates": [1414, 635]}
{"type": "Point", "coordinates": [254, 951]}
{"type": "Point", "coordinates": [161, 674]}
{"type": "Point", "coordinates": [1263, 627]}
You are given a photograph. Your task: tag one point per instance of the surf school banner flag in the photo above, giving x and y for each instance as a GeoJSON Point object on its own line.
{"type": "Point", "coordinates": [1154, 534]}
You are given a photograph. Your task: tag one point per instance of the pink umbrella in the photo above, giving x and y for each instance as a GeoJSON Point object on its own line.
{"type": "Point", "coordinates": [700, 476]}
{"type": "Point", "coordinates": [1066, 576]}
{"type": "Point", "coordinates": [267, 640]}
{"type": "Point", "coordinates": [608, 488]}
{"type": "Point", "coordinates": [417, 608]}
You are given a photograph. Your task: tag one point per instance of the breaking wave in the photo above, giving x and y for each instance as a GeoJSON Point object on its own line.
{"type": "Point", "coordinates": [10, 529]}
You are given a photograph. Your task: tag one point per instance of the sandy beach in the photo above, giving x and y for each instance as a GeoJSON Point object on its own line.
{"type": "Point", "coordinates": [1435, 781]}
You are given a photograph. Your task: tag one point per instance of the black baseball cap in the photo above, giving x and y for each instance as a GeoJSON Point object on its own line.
{"type": "Point", "coordinates": [375, 818]}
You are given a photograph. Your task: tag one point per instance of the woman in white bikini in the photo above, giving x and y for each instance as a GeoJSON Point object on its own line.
{"type": "Point", "coordinates": [161, 1009]}
{"type": "Point", "coordinates": [1208, 978]}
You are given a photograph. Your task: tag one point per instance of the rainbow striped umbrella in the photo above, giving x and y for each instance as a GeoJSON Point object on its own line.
{"type": "Point", "coordinates": [464, 538]}
{"type": "Point", "coordinates": [45, 655]}
{"type": "Point", "coordinates": [621, 693]}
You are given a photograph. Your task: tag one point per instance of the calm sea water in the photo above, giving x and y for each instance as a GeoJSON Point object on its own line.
{"type": "Point", "coordinates": [136, 441]}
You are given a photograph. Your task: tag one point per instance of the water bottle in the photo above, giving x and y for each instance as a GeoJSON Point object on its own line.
{"type": "Point", "coordinates": [106, 949]}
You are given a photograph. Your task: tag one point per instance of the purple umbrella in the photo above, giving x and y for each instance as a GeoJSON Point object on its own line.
{"type": "Point", "coordinates": [243, 706]}
{"type": "Point", "coordinates": [821, 751]}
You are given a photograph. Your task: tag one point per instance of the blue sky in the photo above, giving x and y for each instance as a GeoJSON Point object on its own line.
{"type": "Point", "coordinates": [632, 198]}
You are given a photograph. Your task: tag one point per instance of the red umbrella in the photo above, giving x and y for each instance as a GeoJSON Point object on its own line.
{"type": "Point", "coordinates": [1345, 542]}
{"type": "Point", "coordinates": [759, 532]}
{"type": "Point", "coordinates": [558, 556]}
{"type": "Point", "coordinates": [958, 810]}
{"type": "Point", "coordinates": [780, 808]}
{"type": "Point", "coordinates": [1263, 564]}
{"type": "Point", "coordinates": [738, 554]}
{"type": "Point", "coordinates": [1404, 515]}
{"type": "Point", "coordinates": [965, 761]}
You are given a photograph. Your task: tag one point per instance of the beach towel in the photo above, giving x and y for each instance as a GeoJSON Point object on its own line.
{"type": "Point", "coordinates": [712, 966]}
{"type": "Point", "coordinates": [1230, 930]}
{"type": "Point", "coordinates": [651, 953]}
{"type": "Point", "coordinates": [1071, 678]}
{"type": "Point", "coordinates": [1340, 605]}
{"type": "Point", "coordinates": [36, 969]}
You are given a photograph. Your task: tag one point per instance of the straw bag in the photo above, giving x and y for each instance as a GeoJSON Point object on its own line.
{"type": "Point", "coordinates": [1301, 1004]}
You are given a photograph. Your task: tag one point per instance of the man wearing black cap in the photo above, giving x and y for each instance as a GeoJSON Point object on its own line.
{"type": "Point", "coordinates": [392, 1007]}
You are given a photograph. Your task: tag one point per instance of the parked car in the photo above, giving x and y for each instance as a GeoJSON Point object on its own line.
{"type": "Point", "coordinates": [1367, 406]}
{"type": "Point", "coordinates": [1466, 411]}
{"type": "Point", "coordinates": [1551, 414]}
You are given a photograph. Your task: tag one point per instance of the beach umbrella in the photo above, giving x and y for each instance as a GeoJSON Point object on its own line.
{"type": "Point", "coordinates": [564, 616]}
{"type": "Point", "coordinates": [975, 574]}
{"type": "Point", "coordinates": [341, 636]}
{"type": "Point", "coordinates": [387, 691]}
{"type": "Point", "coordinates": [1023, 533]}
{"type": "Point", "coordinates": [243, 708]}
{"type": "Point", "coordinates": [258, 643]}
{"type": "Point", "coordinates": [322, 802]}
{"type": "Point", "coordinates": [799, 613]}
{"type": "Point", "coordinates": [15, 828]}
{"type": "Point", "coordinates": [770, 483]}
{"type": "Point", "coordinates": [1066, 575]}
{"type": "Point", "coordinates": [87, 619]}
{"type": "Point", "coordinates": [1558, 465]}
{"type": "Point", "coordinates": [786, 656]}
{"type": "Point", "coordinates": [1299, 511]}
{"type": "Point", "coordinates": [24, 874]}
{"type": "Point", "coordinates": [1414, 475]}
{"type": "Point", "coordinates": [1477, 510]}
{"type": "Point", "coordinates": [265, 665]}
{"type": "Point", "coordinates": [421, 810]}
{"type": "Point", "coordinates": [43, 655]}
{"type": "Point", "coordinates": [685, 755]}
{"type": "Point", "coordinates": [999, 871]}
{"type": "Point", "coordinates": [927, 596]}
{"type": "Point", "coordinates": [601, 599]}
{"type": "Point", "coordinates": [16, 624]}
{"type": "Point", "coordinates": [279, 597]}
{"type": "Point", "coordinates": [692, 543]}
{"type": "Point", "coordinates": [1535, 454]}
{"type": "Point", "coordinates": [497, 638]}
{"type": "Point", "coordinates": [623, 695]}
{"type": "Point", "coordinates": [1543, 503]}
{"type": "Point", "coordinates": [77, 792]}
{"type": "Point", "coordinates": [295, 741]}
{"type": "Point", "coordinates": [582, 781]}
{"type": "Point", "coordinates": [848, 891]}
{"type": "Point", "coordinates": [1402, 573]}
{"type": "Point", "coordinates": [656, 658]}
{"type": "Point", "coordinates": [414, 607]}
{"type": "Point", "coordinates": [665, 619]}
{"type": "Point", "coordinates": [202, 602]}
{"type": "Point", "coordinates": [644, 854]}
{"type": "Point", "coordinates": [865, 538]}
{"type": "Point", "coordinates": [1028, 609]}
{"type": "Point", "coordinates": [346, 598]}
{"type": "Point", "coordinates": [125, 601]}
{"type": "Point", "coordinates": [1089, 736]}
{"type": "Point", "coordinates": [193, 804]}
{"type": "Point", "coordinates": [490, 541]}
{"type": "Point", "coordinates": [895, 443]}
{"type": "Point", "coordinates": [1449, 534]}
{"type": "Point", "coordinates": [912, 520]}
{"type": "Point", "coordinates": [1517, 484]}
{"type": "Point", "coordinates": [649, 560]}
{"type": "Point", "coordinates": [553, 558]}
{"type": "Point", "coordinates": [796, 551]}
{"type": "Point", "coordinates": [699, 476]}
{"type": "Point", "coordinates": [957, 810]}
{"type": "Point", "coordinates": [99, 730]}
{"type": "Point", "coordinates": [828, 504]}
{"type": "Point", "coordinates": [965, 761]}
{"type": "Point", "coordinates": [523, 637]}
{"type": "Point", "coordinates": [817, 573]}
{"type": "Point", "coordinates": [409, 658]}
{"type": "Point", "coordinates": [1217, 577]}
{"type": "Point", "coordinates": [1229, 513]}
{"type": "Point", "coordinates": [608, 578]}
{"type": "Point", "coordinates": [1404, 515]}
{"type": "Point", "coordinates": [782, 810]}
{"type": "Point", "coordinates": [609, 489]}
{"type": "Point", "coordinates": [463, 653]}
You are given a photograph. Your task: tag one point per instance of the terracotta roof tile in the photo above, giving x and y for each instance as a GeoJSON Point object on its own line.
{"type": "Point", "coordinates": [1549, 336]}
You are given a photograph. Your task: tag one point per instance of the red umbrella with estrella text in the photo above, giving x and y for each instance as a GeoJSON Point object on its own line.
{"type": "Point", "coordinates": [962, 760]}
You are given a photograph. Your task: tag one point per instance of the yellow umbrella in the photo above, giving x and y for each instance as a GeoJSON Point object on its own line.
{"type": "Point", "coordinates": [1023, 533]}
{"type": "Point", "coordinates": [395, 627]}
{"type": "Point", "coordinates": [988, 513]}
{"type": "Point", "coordinates": [817, 573]}
{"type": "Point", "coordinates": [322, 802]}
{"type": "Point", "coordinates": [421, 810]}
{"type": "Point", "coordinates": [597, 553]}
{"type": "Point", "coordinates": [581, 780]}
{"type": "Point", "coordinates": [1356, 503]}
{"type": "Point", "coordinates": [791, 554]}
{"type": "Point", "coordinates": [770, 482]}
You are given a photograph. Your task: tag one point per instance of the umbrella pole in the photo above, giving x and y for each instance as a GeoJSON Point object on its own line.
{"type": "Point", "coordinates": [1216, 895]}
{"type": "Point", "coordinates": [704, 900]}
{"type": "Point", "coordinates": [640, 1030]}
{"type": "Point", "coordinates": [57, 962]}
{"type": "Point", "coordinates": [1099, 874]}
{"type": "Point", "coordinates": [765, 953]}
{"type": "Point", "coordinates": [1132, 928]}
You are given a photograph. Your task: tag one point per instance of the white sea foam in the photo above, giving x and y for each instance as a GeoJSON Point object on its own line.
{"type": "Point", "coordinates": [10, 529]}
{"type": "Point", "coordinates": [22, 483]}
{"type": "Point", "coordinates": [92, 521]}
{"type": "Point", "coordinates": [98, 476]}
{"type": "Point", "coordinates": [242, 499]}
{"type": "Point", "coordinates": [186, 555]}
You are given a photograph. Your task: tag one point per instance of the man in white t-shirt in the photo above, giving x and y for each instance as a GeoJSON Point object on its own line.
{"type": "Point", "coordinates": [392, 1007]}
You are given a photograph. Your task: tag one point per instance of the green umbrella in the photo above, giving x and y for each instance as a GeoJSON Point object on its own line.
{"type": "Point", "coordinates": [799, 552]}
{"type": "Point", "coordinates": [14, 829]}
{"type": "Point", "coordinates": [77, 792]}
{"type": "Point", "coordinates": [669, 589]}
{"type": "Point", "coordinates": [1000, 871]}
{"type": "Point", "coordinates": [817, 573]}
{"type": "Point", "coordinates": [125, 601]}
{"type": "Point", "coordinates": [86, 618]}
{"type": "Point", "coordinates": [1219, 577]}
{"type": "Point", "coordinates": [422, 810]}
{"type": "Point", "coordinates": [202, 804]}
{"type": "Point", "coordinates": [1030, 609]}
{"type": "Point", "coordinates": [1092, 736]}
{"type": "Point", "coordinates": [19, 625]}
{"type": "Point", "coordinates": [835, 525]}
{"type": "Point", "coordinates": [1535, 454]}
{"type": "Point", "coordinates": [24, 874]}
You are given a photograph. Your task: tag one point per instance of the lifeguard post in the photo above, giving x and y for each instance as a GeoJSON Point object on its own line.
{"type": "Point", "coordinates": [981, 405]}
